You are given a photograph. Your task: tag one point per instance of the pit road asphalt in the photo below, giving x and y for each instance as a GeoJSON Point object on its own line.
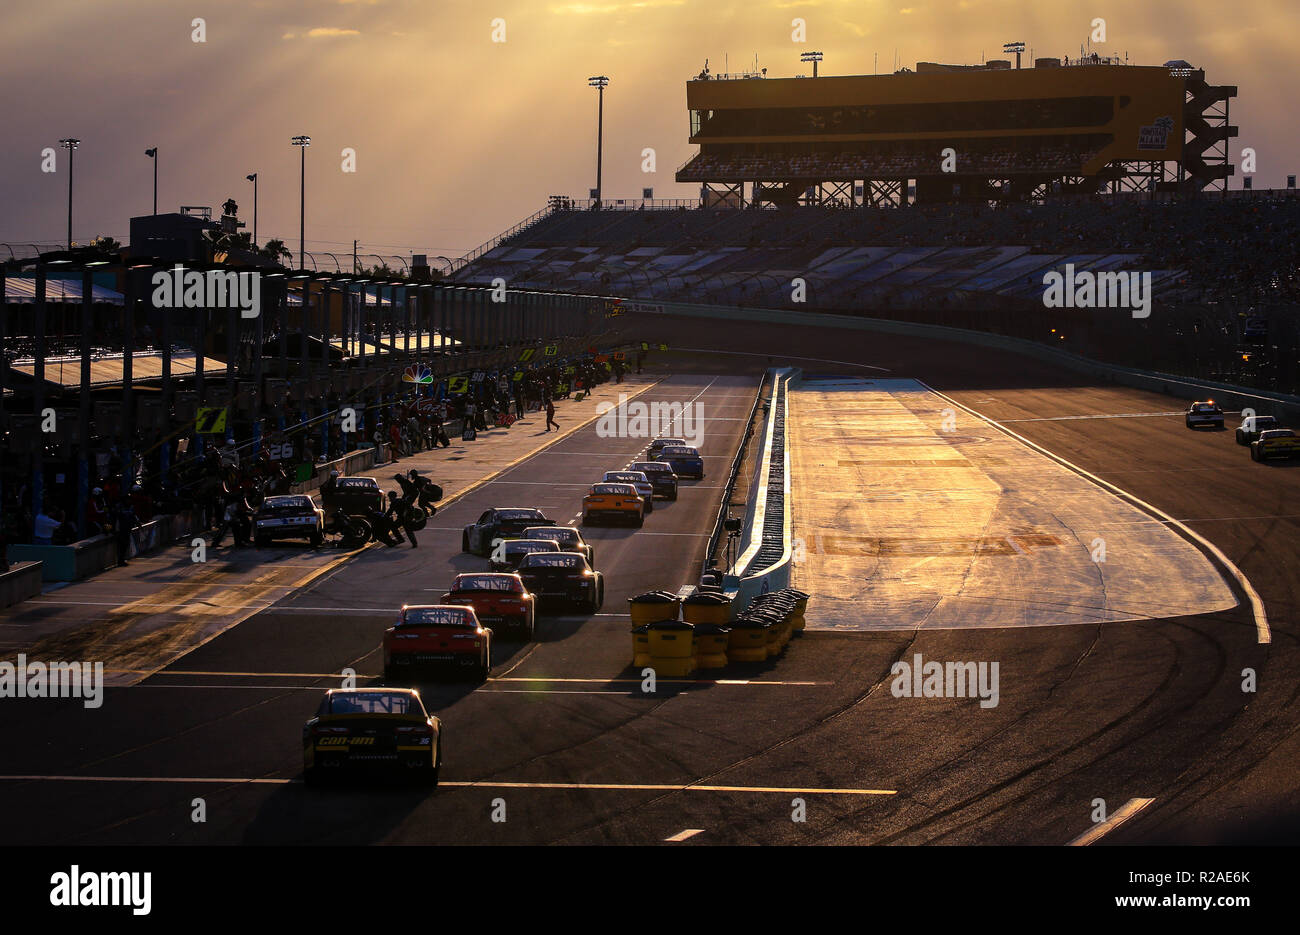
{"type": "Point", "coordinates": [1117, 711]}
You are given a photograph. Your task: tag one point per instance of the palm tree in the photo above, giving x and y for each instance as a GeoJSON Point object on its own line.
{"type": "Point", "coordinates": [273, 250]}
{"type": "Point", "coordinates": [106, 244]}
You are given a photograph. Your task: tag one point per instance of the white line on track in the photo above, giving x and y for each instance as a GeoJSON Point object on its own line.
{"type": "Point", "coordinates": [467, 784]}
{"type": "Point", "coordinates": [1262, 632]}
{"type": "Point", "coordinates": [1126, 811]}
{"type": "Point", "coordinates": [1115, 415]}
{"type": "Point", "coordinates": [683, 835]}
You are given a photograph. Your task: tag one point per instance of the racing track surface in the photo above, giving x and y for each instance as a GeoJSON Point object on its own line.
{"type": "Point", "coordinates": [1119, 711]}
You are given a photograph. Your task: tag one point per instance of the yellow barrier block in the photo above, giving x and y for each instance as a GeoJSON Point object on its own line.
{"type": "Point", "coordinates": [640, 647]}
{"type": "Point", "coordinates": [672, 643]}
{"type": "Point", "coordinates": [747, 644]}
{"type": "Point", "coordinates": [774, 639]}
{"type": "Point", "coordinates": [797, 622]}
{"type": "Point", "coordinates": [711, 645]}
{"type": "Point", "coordinates": [706, 613]}
{"type": "Point", "coordinates": [653, 612]}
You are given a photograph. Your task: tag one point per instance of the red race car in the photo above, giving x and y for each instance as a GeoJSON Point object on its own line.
{"type": "Point", "coordinates": [498, 599]}
{"type": "Point", "coordinates": [442, 635]}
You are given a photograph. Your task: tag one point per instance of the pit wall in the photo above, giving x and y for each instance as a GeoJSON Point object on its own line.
{"type": "Point", "coordinates": [740, 583]}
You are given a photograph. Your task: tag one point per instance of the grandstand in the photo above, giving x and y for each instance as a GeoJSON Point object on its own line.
{"type": "Point", "coordinates": [788, 207]}
{"type": "Point", "coordinates": [948, 133]}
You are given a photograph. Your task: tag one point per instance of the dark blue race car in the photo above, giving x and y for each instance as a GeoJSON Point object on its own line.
{"type": "Point", "coordinates": [685, 462]}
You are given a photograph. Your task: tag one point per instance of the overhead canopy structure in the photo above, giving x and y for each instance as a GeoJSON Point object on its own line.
{"type": "Point", "coordinates": [22, 289]}
{"type": "Point", "coordinates": [106, 372]}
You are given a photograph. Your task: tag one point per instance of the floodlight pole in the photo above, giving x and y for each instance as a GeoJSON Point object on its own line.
{"type": "Point", "coordinates": [70, 144]}
{"type": "Point", "coordinates": [599, 82]}
{"type": "Point", "coordinates": [303, 142]}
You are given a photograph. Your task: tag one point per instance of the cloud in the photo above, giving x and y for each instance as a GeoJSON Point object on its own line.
{"type": "Point", "coordinates": [586, 9]}
{"type": "Point", "coordinates": [330, 32]}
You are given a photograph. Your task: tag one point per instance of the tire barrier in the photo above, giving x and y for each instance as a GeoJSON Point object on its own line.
{"type": "Point", "coordinates": [706, 637]}
{"type": "Point", "coordinates": [711, 641]}
{"type": "Point", "coordinates": [706, 607]}
{"type": "Point", "coordinates": [672, 647]}
{"type": "Point", "coordinates": [641, 646]}
{"type": "Point", "coordinates": [653, 606]}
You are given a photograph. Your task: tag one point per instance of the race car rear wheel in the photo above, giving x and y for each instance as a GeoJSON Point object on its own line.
{"type": "Point", "coordinates": [673, 495]}
{"type": "Point", "coordinates": [640, 520]}
{"type": "Point", "coordinates": [1241, 437]}
{"type": "Point", "coordinates": [317, 539]}
{"type": "Point", "coordinates": [311, 775]}
{"type": "Point", "coordinates": [464, 542]}
{"type": "Point", "coordinates": [1254, 453]}
{"type": "Point", "coordinates": [261, 542]}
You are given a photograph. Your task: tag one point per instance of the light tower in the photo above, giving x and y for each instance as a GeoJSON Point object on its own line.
{"type": "Point", "coordinates": [813, 57]}
{"type": "Point", "coordinates": [1017, 47]}
{"type": "Point", "coordinates": [70, 144]}
{"type": "Point", "coordinates": [600, 82]}
{"type": "Point", "coordinates": [303, 142]}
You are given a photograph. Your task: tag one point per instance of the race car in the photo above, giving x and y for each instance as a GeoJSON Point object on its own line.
{"type": "Point", "coordinates": [615, 502]}
{"type": "Point", "coordinates": [644, 489]}
{"type": "Point", "coordinates": [499, 600]}
{"type": "Point", "coordinates": [1250, 428]}
{"type": "Point", "coordinates": [291, 516]}
{"type": "Point", "coordinates": [1275, 443]}
{"type": "Point", "coordinates": [427, 635]}
{"type": "Point", "coordinates": [563, 578]}
{"type": "Point", "coordinates": [659, 444]}
{"type": "Point", "coordinates": [506, 553]}
{"type": "Point", "coordinates": [661, 475]}
{"type": "Point", "coordinates": [500, 523]}
{"type": "Point", "coordinates": [684, 460]}
{"type": "Point", "coordinates": [1205, 413]}
{"type": "Point", "coordinates": [369, 727]}
{"type": "Point", "coordinates": [356, 496]}
{"type": "Point", "coordinates": [567, 538]}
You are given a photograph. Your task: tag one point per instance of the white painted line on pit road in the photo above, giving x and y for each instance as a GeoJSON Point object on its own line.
{"type": "Point", "coordinates": [1108, 415]}
{"type": "Point", "coordinates": [1126, 811]}
{"type": "Point", "coordinates": [1262, 632]}
{"type": "Point", "coordinates": [683, 835]}
{"type": "Point", "coordinates": [467, 784]}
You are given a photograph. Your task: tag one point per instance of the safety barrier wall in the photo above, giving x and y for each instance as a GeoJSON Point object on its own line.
{"type": "Point", "coordinates": [754, 571]}
{"type": "Point", "coordinates": [99, 553]}
{"type": "Point", "coordinates": [19, 583]}
{"type": "Point", "coordinates": [1284, 406]}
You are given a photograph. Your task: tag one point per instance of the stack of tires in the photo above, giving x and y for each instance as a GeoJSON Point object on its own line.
{"type": "Point", "coordinates": [767, 625]}
{"type": "Point", "coordinates": [650, 607]}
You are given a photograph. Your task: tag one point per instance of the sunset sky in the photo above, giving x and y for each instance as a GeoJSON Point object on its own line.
{"type": "Point", "coordinates": [459, 137]}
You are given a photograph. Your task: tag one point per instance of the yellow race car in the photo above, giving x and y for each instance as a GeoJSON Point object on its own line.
{"type": "Point", "coordinates": [613, 502]}
{"type": "Point", "coordinates": [1275, 443]}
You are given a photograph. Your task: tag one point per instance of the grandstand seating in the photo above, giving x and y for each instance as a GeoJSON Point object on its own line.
{"type": "Point", "coordinates": [1205, 250]}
